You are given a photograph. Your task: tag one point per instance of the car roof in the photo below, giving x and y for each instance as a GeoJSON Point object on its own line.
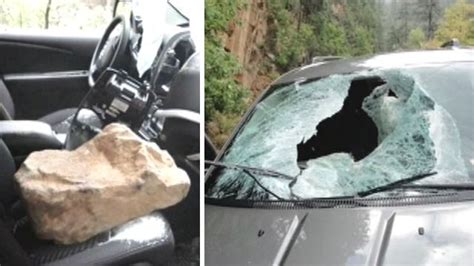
{"type": "Point", "coordinates": [379, 61]}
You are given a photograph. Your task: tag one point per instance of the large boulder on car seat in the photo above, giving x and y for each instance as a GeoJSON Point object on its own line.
{"type": "Point", "coordinates": [115, 177]}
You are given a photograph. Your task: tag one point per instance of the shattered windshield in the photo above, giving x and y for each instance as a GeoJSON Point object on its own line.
{"type": "Point", "coordinates": [348, 133]}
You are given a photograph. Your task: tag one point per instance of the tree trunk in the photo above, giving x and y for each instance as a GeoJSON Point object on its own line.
{"type": "Point", "coordinates": [46, 14]}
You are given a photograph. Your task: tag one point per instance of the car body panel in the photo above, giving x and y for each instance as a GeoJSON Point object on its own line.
{"type": "Point", "coordinates": [382, 61]}
{"type": "Point", "coordinates": [415, 235]}
{"type": "Point", "coordinates": [419, 234]}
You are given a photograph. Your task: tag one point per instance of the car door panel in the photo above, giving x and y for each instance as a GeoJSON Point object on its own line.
{"type": "Point", "coordinates": [36, 95]}
{"type": "Point", "coordinates": [45, 73]}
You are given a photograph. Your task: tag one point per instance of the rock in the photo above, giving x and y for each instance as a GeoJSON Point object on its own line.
{"type": "Point", "coordinates": [115, 177]}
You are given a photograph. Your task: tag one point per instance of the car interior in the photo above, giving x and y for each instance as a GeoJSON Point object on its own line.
{"type": "Point", "coordinates": [58, 92]}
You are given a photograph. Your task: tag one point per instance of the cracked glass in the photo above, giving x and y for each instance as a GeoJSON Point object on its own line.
{"type": "Point", "coordinates": [343, 134]}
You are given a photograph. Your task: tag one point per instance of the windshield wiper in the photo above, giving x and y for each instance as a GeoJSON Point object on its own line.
{"type": "Point", "coordinates": [252, 171]}
{"type": "Point", "coordinates": [441, 186]}
{"type": "Point", "coordinates": [397, 184]}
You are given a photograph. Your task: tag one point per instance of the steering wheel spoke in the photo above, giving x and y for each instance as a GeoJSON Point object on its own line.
{"type": "Point", "coordinates": [111, 52]}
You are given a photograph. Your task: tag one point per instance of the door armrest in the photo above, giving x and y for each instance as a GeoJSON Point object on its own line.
{"type": "Point", "coordinates": [23, 136]}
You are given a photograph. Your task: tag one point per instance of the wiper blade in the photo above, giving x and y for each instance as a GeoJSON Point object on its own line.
{"type": "Point", "coordinates": [261, 185]}
{"type": "Point", "coordinates": [397, 184]}
{"type": "Point", "coordinates": [250, 171]}
{"type": "Point", "coordinates": [253, 170]}
{"type": "Point", "coordinates": [441, 186]}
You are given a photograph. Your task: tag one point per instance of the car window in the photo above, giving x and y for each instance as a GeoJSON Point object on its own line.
{"type": "Point", "coordinates": [78, 16]}
{"type": "Point", "coordinates": [344, 134]}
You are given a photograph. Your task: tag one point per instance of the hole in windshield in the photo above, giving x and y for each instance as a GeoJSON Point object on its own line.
{"type": "Point", "coordinates": [350, 130]}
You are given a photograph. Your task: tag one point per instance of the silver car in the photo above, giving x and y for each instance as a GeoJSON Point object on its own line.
{"type": "Point", "coordinates": [366, 161]}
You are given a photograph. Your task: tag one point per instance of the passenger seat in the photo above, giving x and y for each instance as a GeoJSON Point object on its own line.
{"type": "Point", "coordinates": [147, 240]}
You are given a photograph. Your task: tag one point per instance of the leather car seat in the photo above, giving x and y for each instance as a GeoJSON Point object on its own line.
{"type": "Point", "coordinates": [147, 240]}
{"type": "Point", "coordinates": [7, 170]}
{"type": "Point", "coordinates": [58, 120]}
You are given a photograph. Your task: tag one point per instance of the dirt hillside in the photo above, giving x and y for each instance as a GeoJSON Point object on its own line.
{"type": "Point", "coordinates": [245, 39]}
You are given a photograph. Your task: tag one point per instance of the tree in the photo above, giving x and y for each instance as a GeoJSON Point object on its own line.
{"type": "Point", "coordinates": [416, 39]}
{"type": "Point", "coordinates": [429, 11]}
{"type": "Point", "coordinates": [293, 38]}
{"type": "Point", "coordinates": [404, 28]}
{"type": "Point", "coordinates": [399, 26]}
{"type": "Point", "coordinates": [363, 43]}
{"type": "Point", "coordinates": [223, 93]}
{"type": "Point", "coordinates": [360, 25]}
{"type": "Point", "coordinates": [46, 14]}
{"type": "Point", "coordinates": [332, 39]}
{"type": "Point", "coordinates": [457, 22]}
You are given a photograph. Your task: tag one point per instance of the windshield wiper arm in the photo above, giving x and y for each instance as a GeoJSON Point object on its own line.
{"type": "Point", "coordinates": [261, 185]}
{"type": "Point", "coordinates": [396, 184]}
{"type": "Point", "coordinates": [250, 171]}
{"type": "Point", "coordinates": [253, 170]}
{"type": "Point", "coordinates": [441, 186]}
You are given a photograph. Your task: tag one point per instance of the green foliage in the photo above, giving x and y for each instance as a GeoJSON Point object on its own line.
{"type": "Point", "coordinates": [291, 39]}
{"type": "Point", "coordinates": [332, 39]}
{"type": "Point", "coordinates": [364, 42]}
{"type": "Point", "coordinates": [304, 29]}
{"type": "Point", "coordinates": [360, 25]}
{"type": "Point", "coordinates": [427, 23]}
{"type": "Point", "coordinates": [416, 39]}
{"type": "Point", "coordinates": [400, 27]}
{"type": "Point", "coordinates": [457, 22]}
{"type": "Point", "coordinates": [221, 127]}
{"type": "Point", "coordinates": [64, 15]}
{"type": "Point", "coordinates": [223, 95]}
{"type": "Point", "coordinates": [428, 11]}
{"type": "Point", "coordinates": [218, 14]}
{"type": "Point", "coordinates": [292, 46]}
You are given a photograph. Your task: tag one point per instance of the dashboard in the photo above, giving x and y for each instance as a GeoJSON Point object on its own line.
{"type": "Point", "coordinates": [123, 90]}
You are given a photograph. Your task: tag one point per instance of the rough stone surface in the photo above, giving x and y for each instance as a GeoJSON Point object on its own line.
{"type": "Point", "coordinates": [115, 177]}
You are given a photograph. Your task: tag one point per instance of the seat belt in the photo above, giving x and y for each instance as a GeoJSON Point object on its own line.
{"type": "Point", "coordinates": [7, 107]}
{"type": "Point", "coordinates": [4, 115]}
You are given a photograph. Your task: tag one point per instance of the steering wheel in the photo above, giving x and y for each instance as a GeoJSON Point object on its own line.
{"type": "Point", "coordinates": [111, 50]}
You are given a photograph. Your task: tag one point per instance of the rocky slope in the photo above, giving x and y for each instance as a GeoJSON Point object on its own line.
{"type": "Point", "coordinates": [246, 39]}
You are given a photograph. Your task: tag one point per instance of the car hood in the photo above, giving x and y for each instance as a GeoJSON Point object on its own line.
{"type": "Point", "coordinates": [441, 234]}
